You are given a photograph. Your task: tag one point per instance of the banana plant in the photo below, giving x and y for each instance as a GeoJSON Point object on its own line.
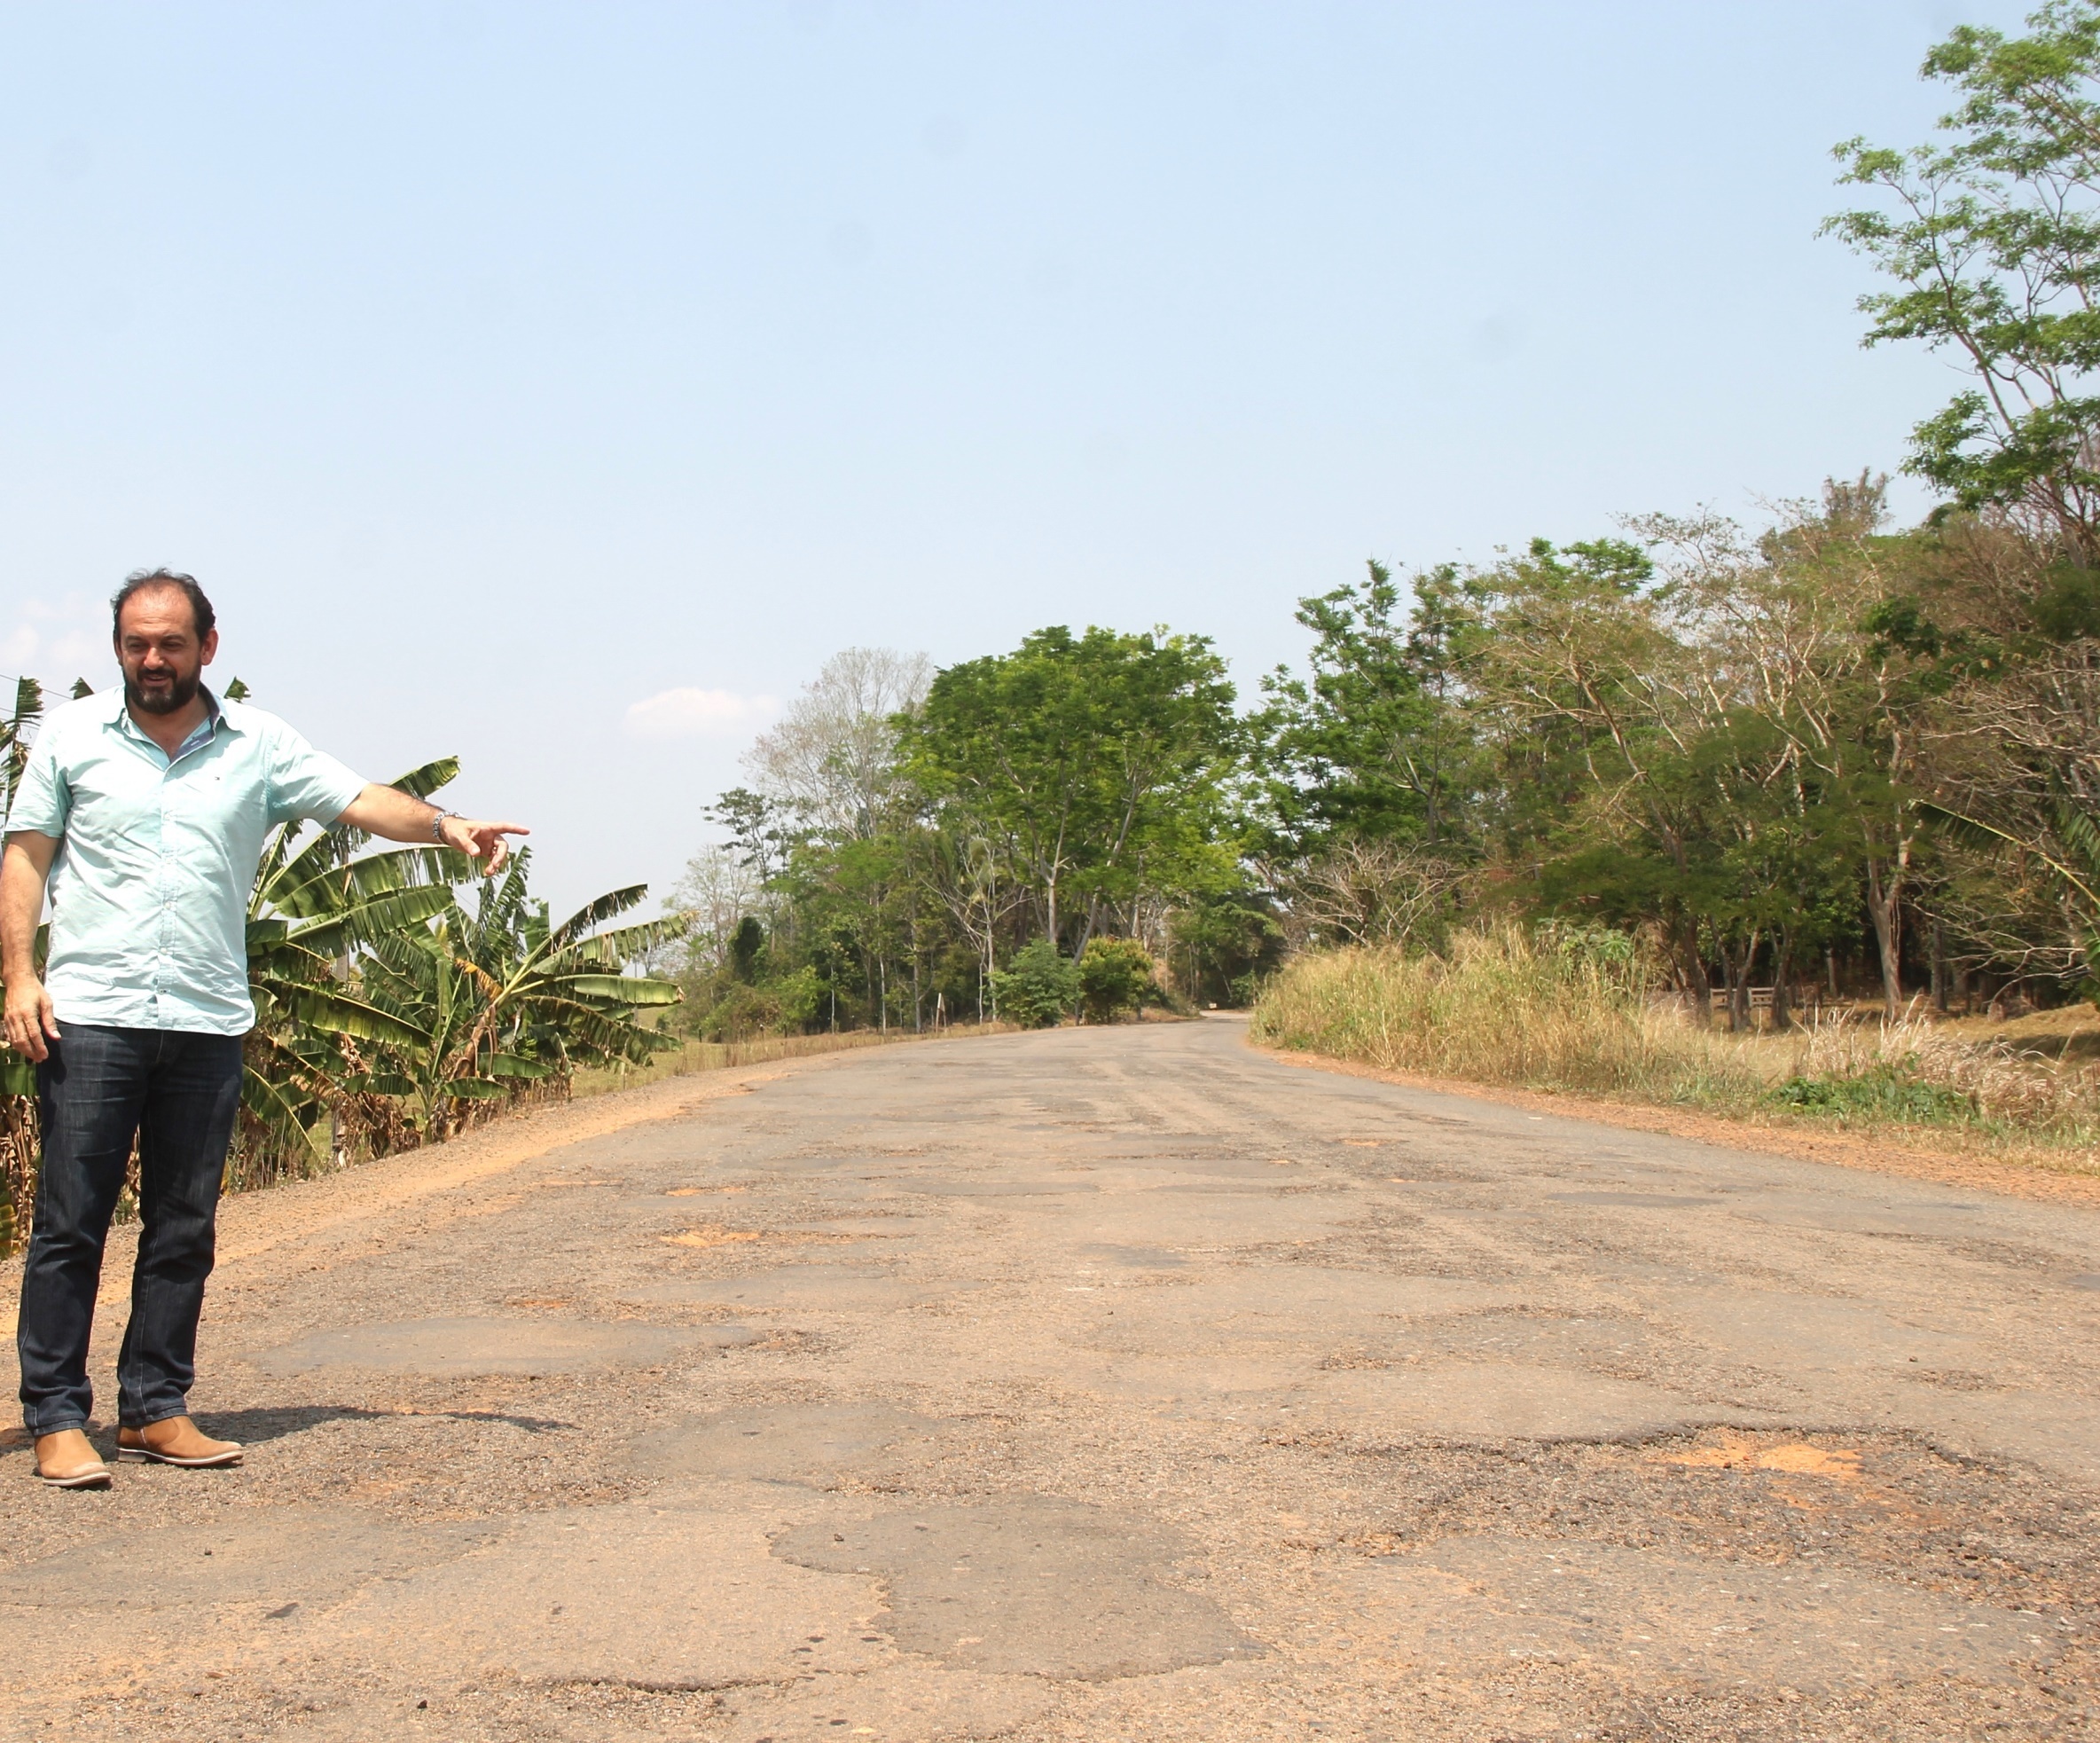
{"type": "Point", "coordinates": [15, 734]}
{"type": "Point", "coordinates": [19, 728]}
{"type": "Point", "coordinates": [18, 1076]}
{"type": "Point", "coordinates": [310, 913]}
{"type": "Point", "coordinates": [501, 996]}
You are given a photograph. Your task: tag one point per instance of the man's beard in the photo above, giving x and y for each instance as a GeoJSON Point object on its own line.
{"type": "Point", "coordinates": [180, 693]}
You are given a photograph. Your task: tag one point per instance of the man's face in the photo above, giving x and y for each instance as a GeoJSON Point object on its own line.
{"type": "Point", "coordinates": [157, 645]}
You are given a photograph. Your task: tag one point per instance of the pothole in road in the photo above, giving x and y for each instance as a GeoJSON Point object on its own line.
{"type": "Point", "coordinates": [995, 1189]}
{"type": "Point", "coordinates": [715, 1235]}
{"type": "Point", "coordinates": [2003, 1534]}
{"type": "Point", "coordinates": [1807, 1559]}
{"type": "Point", "coordinates": [838, 1288]}
{"type": "Point", "coordinates": [1708, 1621]}
{"type": "Point", "coordinates": [814, 1444]}
{"type": "Point", "coordinates": [1028, 1584]}
{"type": "Point", "coordinates": [1659, 1201]}
{"type": "Point", "coordinates": [1136, 1259]}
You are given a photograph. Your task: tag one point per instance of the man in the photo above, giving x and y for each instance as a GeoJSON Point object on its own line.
{"type": "Point", "coordinates": [146, 812]}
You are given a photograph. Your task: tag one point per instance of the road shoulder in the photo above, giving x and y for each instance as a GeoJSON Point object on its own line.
{"type": "Point", "coordinates": [1877, 1154]}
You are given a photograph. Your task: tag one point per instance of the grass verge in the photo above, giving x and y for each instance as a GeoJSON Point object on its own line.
{"type": "Point", "coordinates": [1535, 1011]}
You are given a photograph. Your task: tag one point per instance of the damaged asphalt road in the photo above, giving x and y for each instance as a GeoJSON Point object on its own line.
{"type": "Point", "coordinates": [1098, 1384]}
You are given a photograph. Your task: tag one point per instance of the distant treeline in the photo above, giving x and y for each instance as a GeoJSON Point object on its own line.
{"type": "Point", "coordinates": [1758, 753]}
{"type": "Point", "coordinates": [1828, 750]}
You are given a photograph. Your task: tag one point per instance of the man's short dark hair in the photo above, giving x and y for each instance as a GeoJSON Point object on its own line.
{"type": "Point", "coordinates": [200, 612]}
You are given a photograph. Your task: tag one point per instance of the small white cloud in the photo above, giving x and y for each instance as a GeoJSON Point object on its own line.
{"type": "Point", "coordinates": [56, 643]}
{"type": "Point", "coordinates": [690, 713]}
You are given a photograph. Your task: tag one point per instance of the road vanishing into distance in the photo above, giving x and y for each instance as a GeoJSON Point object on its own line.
{"type": "Point", "coordinates": [1093, 1384]}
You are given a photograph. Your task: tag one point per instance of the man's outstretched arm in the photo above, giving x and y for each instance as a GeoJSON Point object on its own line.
{"type": "Point", "coordinates": [25, 863]}
{"type": "Point", "coordinates": [399, 816]}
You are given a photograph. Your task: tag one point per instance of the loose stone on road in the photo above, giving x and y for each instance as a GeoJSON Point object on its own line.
{"type": "Point", "coordinates": [1096, 1383]}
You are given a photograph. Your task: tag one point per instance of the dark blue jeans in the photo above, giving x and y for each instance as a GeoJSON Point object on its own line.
{"type": "Point", "coordinates": [178, 1092]}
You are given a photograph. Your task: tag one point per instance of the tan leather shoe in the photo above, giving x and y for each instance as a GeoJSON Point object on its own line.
{"type": "Point", "coordinates": [176, 1440]}
{"type": "Point", "coordinates": [69, 1460]}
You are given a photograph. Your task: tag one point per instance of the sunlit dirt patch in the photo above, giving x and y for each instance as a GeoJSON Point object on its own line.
{"type": "Point", "coordinates": [1739, 1452]}
{"type": "Point", "coordinates": [713, 1234]}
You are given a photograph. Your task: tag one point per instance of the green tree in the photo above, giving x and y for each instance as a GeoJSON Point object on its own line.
{"type": "Point", "coordinates": [1095, 767]}
{"type": "Point", "coordinates": [1223, 941]}
{"type": "Point", "coordinates": [1374, 743]}
{"type": "Point", "coordinates": [1704, 746]}
{"type": "Point", "coordinates": [1992, 237]}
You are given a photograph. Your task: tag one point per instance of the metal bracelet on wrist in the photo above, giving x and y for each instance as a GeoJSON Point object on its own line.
{"type": "Point", "coordinates": [437, 828]}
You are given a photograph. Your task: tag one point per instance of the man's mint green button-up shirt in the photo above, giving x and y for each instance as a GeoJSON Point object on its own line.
{"type": "Point", "coordinates": [157, 856]}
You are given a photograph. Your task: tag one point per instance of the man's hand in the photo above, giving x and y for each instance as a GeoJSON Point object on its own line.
{"type": "Point", "coordinates": [25, 864]}
{"type": "Point", "coordinates": [398, 816]}
{"type": "Point", "coordinates": [30, 1019]}
{"type": "Point", "coordinates": [476, 839]}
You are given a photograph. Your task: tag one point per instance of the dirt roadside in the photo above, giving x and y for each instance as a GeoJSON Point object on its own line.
{"type": "Point", "coordinates": [2072, 1184]}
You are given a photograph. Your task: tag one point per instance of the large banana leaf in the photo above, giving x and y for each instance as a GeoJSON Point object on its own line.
{"type": "Point", "coordinates": [595, 914]}
{"type": "Point", "coordinates": [335, 1013]}
{"type": "Point", "coordinates": [618, 989]}
{"type": "Point", "coordinates": [421, 782]}
{"type": "Point", "coordinates": [282, 875]}
{"type": "Point", "coordinates": [619, 946]}
{"type": "Point", "coordinates": [333, 935]}
{"type": "Point", "coordinates": [15, 732]}
{"type": "Point", "coordinates": [278, 1112]}
{"type": "Point", "coordinates": [303, 892]}
{"type": "Point", "coordinates": [472, 1087]}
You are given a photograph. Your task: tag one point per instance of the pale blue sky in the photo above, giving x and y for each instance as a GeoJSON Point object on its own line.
{"type": "Point", "coordinates": [499, 368]}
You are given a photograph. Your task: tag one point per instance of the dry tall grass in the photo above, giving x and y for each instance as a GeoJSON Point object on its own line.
{"type": "Point", "coordinates": [1537, 1011]}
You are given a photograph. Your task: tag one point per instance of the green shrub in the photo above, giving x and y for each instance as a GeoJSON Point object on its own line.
{"type": "Point", "coordinates": [1883, 1093]}
{"type": "Point", "coordinates": [801, 999]}
{"type": "Point", "coordinates": [740, 1013]}
{"type": "Point", "coordinates": [1116, 980]}
{"type": "Point", "coordinates": [1040, 987]}
{"type": "Point", "coordinates": [730, 1009]}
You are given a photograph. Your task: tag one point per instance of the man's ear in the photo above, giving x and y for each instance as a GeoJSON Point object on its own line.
{"type": "Point", "coordinates": [208, 649]}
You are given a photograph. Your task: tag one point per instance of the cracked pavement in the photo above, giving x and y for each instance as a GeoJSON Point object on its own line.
{"type": "Point", "coordinates": [1096, 1383]}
